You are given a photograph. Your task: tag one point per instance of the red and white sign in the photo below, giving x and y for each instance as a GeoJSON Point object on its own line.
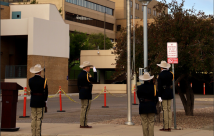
{"type": "Point", "coordinates": [172, 60]}
{"type": "Point", "coordinates": [172, 53]}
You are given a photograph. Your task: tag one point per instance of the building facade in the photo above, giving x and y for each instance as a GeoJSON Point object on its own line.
{"type": "Point", "coordinates": [34, 34]}
{"type": "Point", "coordinates": [92, 16]}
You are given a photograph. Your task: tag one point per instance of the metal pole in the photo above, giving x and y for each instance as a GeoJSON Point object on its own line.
{"type": "Point", "coordinates": [145, 45]}
{"type": "Point", "coordinates": [129, 122]}
{"type": "Point", "coordinates": [174, 104]}
{"type": "Point", "coordinates": [105, 29]}
{"type": "Point", "coordinates": [134, 36]}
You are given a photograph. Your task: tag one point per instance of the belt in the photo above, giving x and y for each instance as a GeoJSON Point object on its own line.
{"type": "Point", "coordinates": [147, 100]}
{"type": "Point", "coordinates": [37, 94]}
{"type": "Point", "coordinates": [85, 87]}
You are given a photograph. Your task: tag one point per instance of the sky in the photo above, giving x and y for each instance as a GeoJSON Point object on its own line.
{"type": "Point", "coordinates": [203, 5]}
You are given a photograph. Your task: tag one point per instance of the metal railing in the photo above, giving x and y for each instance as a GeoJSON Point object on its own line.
{"type": "Point", "coordinates": [16, 71]}
{"type": "Point", "coordinates": [13, 1]}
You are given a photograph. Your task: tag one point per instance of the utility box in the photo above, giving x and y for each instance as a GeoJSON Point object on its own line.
{"type": "Point", "coordinates": [9, 106]}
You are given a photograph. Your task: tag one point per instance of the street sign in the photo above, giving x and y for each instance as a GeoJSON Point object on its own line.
{"type": "Point", "coordinates": [172, 60]}
{"type": "Point", "coordinates": [172, 53]}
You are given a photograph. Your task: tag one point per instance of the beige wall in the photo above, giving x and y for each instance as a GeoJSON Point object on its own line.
{"type": "Point", "coordinates": [47, 32]}
{"type": "Point", "coordinates": [107, 3]}
{"type": "Point", "coordinates": [5, 12]}
{"type": "Point", "coordinates": [14, 27]}
{"type": "Point", "coordinates": [56, 71]}
{"type": "Point", "coordinates": [119, 11]}
{"type": "Point", "coordinates": [48, 38]}
{"type": "Point", "coordinates": [21, 81]}
{"type": "Point", "coordinates": [42, 11]}
{"type": "Point", "coordinates": [120, 7]}
{"type": "Point", "coordinates": [139, 22]}
{"type": "Point", "coordinates": [92, 14]}
{"type": "Point", "coordinates": [112, 88]}
{"type": "Point", "coordinates": [104, 59]}
{"type": "Point", "coordinates": [89, 29]}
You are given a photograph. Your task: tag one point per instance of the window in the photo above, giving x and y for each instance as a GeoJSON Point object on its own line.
{"type": "Point", "coordinates": [154, 12]}
{"type": "Point", "coordinates": [131, 16]}
{"type": "Point", "coordinates": [93, 6]}
{"type": "Point", "coordinates": [142, 8]}
{"type": "Point", "coordinates": [131, 3]}
{"type": "Point", "coordinates": [149, 11]}
{"type": "Point", "coordinates": [118, 27]}
{"type": "Point", "coordinates": [136, 6]}
{"type": "Point", "coordinates": [137, 17]}
{"type": "Point", "coordinates": [88, 21]}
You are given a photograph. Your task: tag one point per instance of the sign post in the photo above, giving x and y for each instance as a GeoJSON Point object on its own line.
{"type": "Point", "coordinates": [172, 58]}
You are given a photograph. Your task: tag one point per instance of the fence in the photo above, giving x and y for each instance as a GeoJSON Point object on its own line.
{"type": "Point", "coordinates": [16, 71]}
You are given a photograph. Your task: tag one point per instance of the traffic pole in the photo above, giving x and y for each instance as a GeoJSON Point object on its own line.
{"type": "Point", "coordinates": [105, 98]}
{"type": "Point", "coordinates": [134, 96]}
{"type": "Point", "coordinates": [204, 88]}
{"type": "Point", "coordinates": [60, 100]}
{"type": "Point", "coordinates": [24, 105]}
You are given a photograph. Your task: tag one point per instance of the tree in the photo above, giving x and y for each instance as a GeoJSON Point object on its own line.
{"type": "Point", "coordinates": [98, 40]}
{"type": "Point", "coordinates": [194, 34]}
{"type": "Point", "coordinates": [77, 43]}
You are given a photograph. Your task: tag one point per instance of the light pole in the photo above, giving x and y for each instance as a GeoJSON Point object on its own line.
{"type": "Point", "coordinates": [133, 66]}
{"type": "Point", "coordinates": [145, 42]}
{"type": "Point", "coordinates": [105, 29]}
{"type": "Point", "coordinates": [128, 22]}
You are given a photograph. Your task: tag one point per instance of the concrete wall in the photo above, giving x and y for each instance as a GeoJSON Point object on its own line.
{"type": "Point", "coordinates": [107, 3]}
{"type": "Point", "coordinates": [112, 88]}
{"type": "Point", "coordinates": [139, 22]}
{"type": "Point", "coordinates": [56, 71]}
{"type": "Point", "coordinates": [120, 7]}
{"type": "Point", "coordinates": [48, 38]}
{"type": "Point", "coordinates": [89, 29]}
{"type": "Point", "coordinates": [21, 81]}
{"type": "Point", "coordinates": [103, 60]}
{"type": "Point", "coordinates": [72, 8]}
{"type": "Point", "coordinates": [42, 11]}
{"type": "Point", "coordinates": [5, 12]}
{"type": "Point", "coordinates": [14, 27]}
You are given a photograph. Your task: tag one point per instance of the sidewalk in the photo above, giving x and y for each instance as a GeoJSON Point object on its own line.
{"type": "Point", "coordinates": [62, 129]}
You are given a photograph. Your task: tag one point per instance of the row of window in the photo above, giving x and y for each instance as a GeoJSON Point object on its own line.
{"type": "Point", "coordinates": [135, 17]}
{"type": "Point", "coordinates": [93, 6]}
{"type": "Point", "coordinates": [149, 9]}
{"type": "Point", "coordinates": [136, 5]}
{"type": "Point", "coordinates": [88, 21]}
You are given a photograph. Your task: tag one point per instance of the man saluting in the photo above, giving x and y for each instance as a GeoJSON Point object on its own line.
{"type": "Point", "coordinates": [85, 88]}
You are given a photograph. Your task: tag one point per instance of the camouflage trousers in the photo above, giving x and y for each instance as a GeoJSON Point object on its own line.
{"type": "Point", "coordinates": [37, 115]}
{"type": "Point", "coordinates": [148, 121]}
{"type": "Point", "coordinates": [85, 107]}
{"type": "Point", "coordinates": [167, 114]}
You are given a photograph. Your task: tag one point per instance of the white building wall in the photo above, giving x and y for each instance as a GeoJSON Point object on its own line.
{"type": "Point", "coordinates": [48, 38]}
{"type": "Point", "coordinates": [42, 11]}
{"type": "Point", "coordinates": [32, 10]}
{"type": "Point", "coordinates": [14, 27]}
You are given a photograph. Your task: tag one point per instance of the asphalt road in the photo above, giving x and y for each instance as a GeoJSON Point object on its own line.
{"type": "Point", "coordinates": [117, 108]}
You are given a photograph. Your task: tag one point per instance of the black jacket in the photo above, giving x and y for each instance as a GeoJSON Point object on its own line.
{"type": "Point", "coordinates": [146, 91]}
{"type": "Point", "coordinates": [36, 85]}
{"type": "Point", "coordinates": [164, 82]}
{"type": "Point", "coordinates": [85, 86]}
